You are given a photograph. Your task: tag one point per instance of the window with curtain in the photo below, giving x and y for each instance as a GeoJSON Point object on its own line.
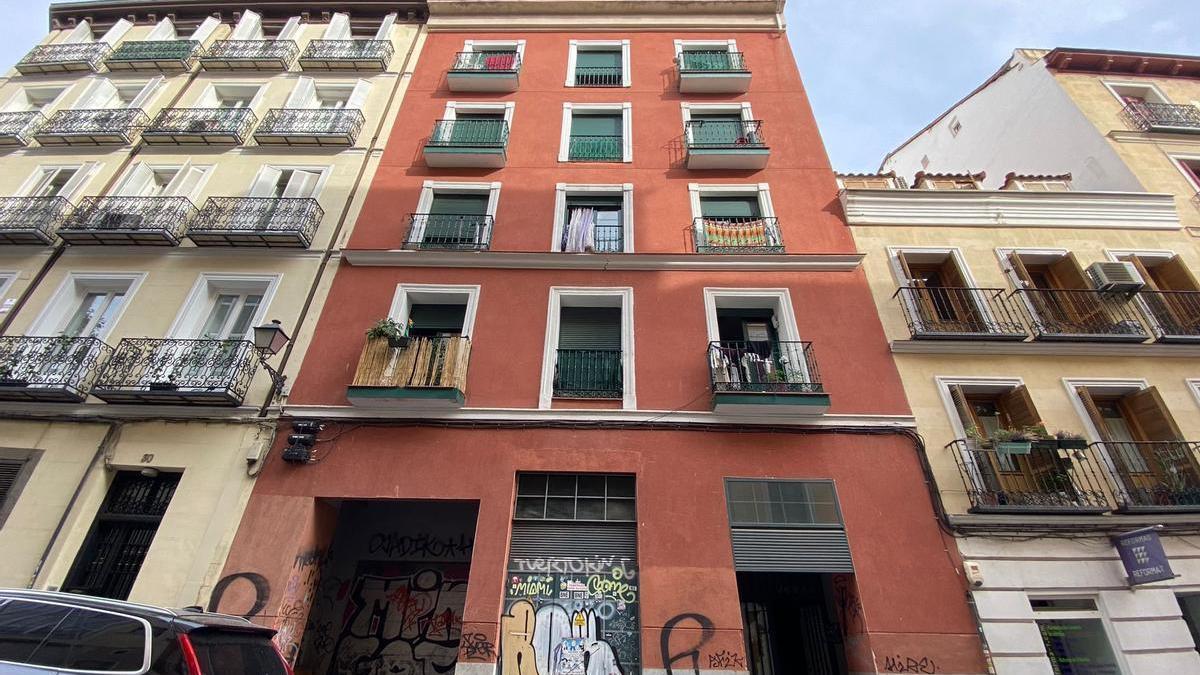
{"type": "Point", "coordinates": [593, 224]}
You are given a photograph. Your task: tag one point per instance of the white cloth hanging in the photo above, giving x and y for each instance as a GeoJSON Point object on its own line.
{"type": "Point", "coordinates": [579, 234]}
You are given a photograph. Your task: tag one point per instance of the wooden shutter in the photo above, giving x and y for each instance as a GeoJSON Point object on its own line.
{"type": "Point", "coordinates": [965, 415]}
{"type": "Point", "coordinates": [301, 184]}
{"type": "Point", "coordinates": [249, 27]}
{"type": "Point", "coordinates": [1018, 267]}
{"type": "Point", "coordinates": [1068, 274]}
{"type": "Point", "coordinates": [101, 93]}
{"type": "Point", "coordinates": [77, 179]}
{"type": "Point", "coordinates": [186, 181]}
{"type": "Point", "coordinates": [143, 97]}
{"type": "Point", "coordinates": [1093, 412]}
{"type": "Point", "coordinates": [1150, 415]}
{"type": "Point", "coordinates": [1174, 275]}
{"type": "Point", "coordinates": [589, 328]}
{"type": "Point", "coordinates": [138, 182]}
{"type": "Point", "coordinates": [1144, 271]}
{"type": "Point", "coordinates": [1019, 409]}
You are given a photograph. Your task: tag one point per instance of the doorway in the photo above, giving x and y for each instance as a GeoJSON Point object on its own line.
{"type": "Point", "coordinates": [790, 624]}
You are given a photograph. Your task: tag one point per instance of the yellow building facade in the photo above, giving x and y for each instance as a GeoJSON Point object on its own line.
{"type": "Point", "coordinates": [171, 181]}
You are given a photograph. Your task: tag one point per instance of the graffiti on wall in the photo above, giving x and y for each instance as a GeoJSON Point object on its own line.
{"type": "Point", "coordinates": [571, 617]}
{"type": "Point", "coordinates": [701, 628]}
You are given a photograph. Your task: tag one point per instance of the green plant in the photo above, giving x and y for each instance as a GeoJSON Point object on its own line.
{"type": "Point", "coordinates": [389, 329]}
{"type": "Point", "coordinates": [1068, 436]}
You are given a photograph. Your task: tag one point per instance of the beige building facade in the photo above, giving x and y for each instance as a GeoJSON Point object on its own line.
{"type": "Point", "coordinates": [171, 181]}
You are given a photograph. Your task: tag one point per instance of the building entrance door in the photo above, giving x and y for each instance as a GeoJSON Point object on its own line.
{"type": "Point", "coordinates": [790, 625]}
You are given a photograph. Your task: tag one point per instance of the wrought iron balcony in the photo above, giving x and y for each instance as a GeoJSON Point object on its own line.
{"type": "Point", "coordinates": [162, 55]}
{"type": "Point", "coordinates": [473, 143]}
{"type": "Point", "coordinates": [736, 235]}
{"type": "Point", "coordinates": [17, 128]}
{"type": "Point", "coordinates": [449, 231]}
{"type": "Point", "coordinates": [714, 61]}
{"type": "Point", "coordinates": [63, 58]}
{"type": "Point", "coordinates": [32, 220]}
{"type": "Point", "coordinates": [196, 372]}
{"type": "Point", "coordinates": [310, 126]}
{"type": "Point", "coordinates": [941, 313]}
{"type": "Point", "coordinates": [601, 76]}
{"type": "Point", "coordinates": [142, 221]}
{"type": "Point", "coordinates": [250, 55]}
{"type": "Point", "coordinates": [485, 71]}
{"type": "Point", "coordinates": [749, 376]}
{"type": "Point", "coordinates": [1031, 478]}
{"type": "Point", "coordinates": [713, 72]}
{"type": "Point", "coordinates": [100, 126]}
{"type": "Point", "coordinates": [200, 126]}
{"type": "Point", "coordinates": [52, 369]}
{"type": "Point", "coordinates": [588, 373]}
{"type": "Point", "coordinates": [1169, 117]}
{"type": "Point", "coordinates": [1174, 316]}
{"type": "Point", "coordinates": [722, 144]}
{"type": "Point", "coordinates": [1081, 315]}
{"type": "Point", "coordinates": [347, 55]}
{"type": "Point", "coordinates": [1154, 475]}
{"type": "Point", "coordinates": [272, 222]}
{"type": "Point", "coordinates": [427, 371]}
{"type": "Point", "coordinates": [590, 148]}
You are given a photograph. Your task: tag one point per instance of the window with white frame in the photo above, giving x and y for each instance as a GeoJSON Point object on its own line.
{"type": "Point", "coordinates": [28, 99]}
{"type": "Point", "coordinates": [307, 94]}
{"type": "Point", "coordinates": [6, 282]}
{"type": "Point", "coordinates": [754, 341]}
{"type": "Point", "coordinates": [224, 307]}
{"type": "Point", "coordinates": [941, 298]}
{"type": "Point", "coordinates": [288, 181]}
{"type": "Point", "coordinates": [87, 305]}
{"type": "Point", "coordinates": [154, 180]}
{"type": "Point", "coordinates": [589, 346]}
{"type": "Point", "coordinates": [596, 132]}
{"type": "Point", "coordinates": [250, 27]}
{"type": "Point", "coordinates": [593, 218]}
{"type": "Point", "coordinates": [476, 123]}
{"type": "Point", "coordinates": [1074, 632]}
{"type": "Point", "coordinates": [490, 55]}
{"type": "Point", "coordinates": [454, 216]}
{"type": "Point", "coordinates": [598, 63]}
{"type": "Point", "coordinates": [1190, 168]}
{"type": "Point", "coordinates": [981, 411]}
{"type": "Point", "coordinates": [708, 55]}
{"type": "Point", "coordinates": [229, 96]}
{"type": "Point", "coordinates": [435, 310]}
{"type": "Point", "coordinates": [57, 181]}
{"type": "Point", "coordinates": [720, 125]}
{"type": "Point", "coordinates": [1134, 93]}
{"type": "Point", "coordinates": [103, 93]}
{"type": "Point", "coordinates": [733, 218]}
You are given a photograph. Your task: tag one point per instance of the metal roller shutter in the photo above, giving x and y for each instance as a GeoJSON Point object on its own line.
{"type": "Point", "coordinates": [9, 470]}
{"type": "Point", "coordinates": [554, 539]}
{"type": "Point", "coordinates": [590, 328]}
{"type": "Point", "coordinates": [790, 550]}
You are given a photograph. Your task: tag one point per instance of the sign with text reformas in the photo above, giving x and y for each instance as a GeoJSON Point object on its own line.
{"type": "Point", "coordinates": [1143, 556]}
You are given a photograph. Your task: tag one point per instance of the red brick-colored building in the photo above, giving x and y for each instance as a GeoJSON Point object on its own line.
{"type": "Point", "coordinates": [642, 417]}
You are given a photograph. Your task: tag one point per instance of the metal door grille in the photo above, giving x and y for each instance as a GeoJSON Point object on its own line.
{"type": "Point", "coordinates": [545, 539]}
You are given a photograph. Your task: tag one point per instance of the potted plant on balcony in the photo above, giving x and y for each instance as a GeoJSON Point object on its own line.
{"type": "Point", "coordinates": [1013, 441]}
{"type": "Point", "coordinates": [1069, 440]}
{"type": "Point", "coordinates": [389, 329]}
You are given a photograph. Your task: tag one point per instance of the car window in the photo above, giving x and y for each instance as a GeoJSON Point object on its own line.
{"type": "Point", "coordinates": [230, 652]}
{"type": "Point", "coordinates": [24, 626]}
{"type": "Point", "coordinates": [100, 641]}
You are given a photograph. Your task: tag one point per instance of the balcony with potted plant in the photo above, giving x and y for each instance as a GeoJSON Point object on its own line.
{"type": "Point", "coordinates": [397, 369]}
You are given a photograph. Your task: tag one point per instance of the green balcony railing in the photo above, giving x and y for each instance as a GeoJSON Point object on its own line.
{"type": "Point", "coordinates": [601, 76]}
{"type": "Point", "coordinates": [588, 373]}
{"type": "Point", "coordinates": [595, 148]}
{"type": "Point", "coordinates": [490, 133]}
{"type": "Point", "coordinates": [486, 62]}
{"type": "Point", "coordinates": [712, 62]}
{"type": "Point", "coordinates": [155, 55]}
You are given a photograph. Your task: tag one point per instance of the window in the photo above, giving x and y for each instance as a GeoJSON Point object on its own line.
{"type": "Point", "coordinates": [940, 297]}
{"type": "Point", "coordinates": [542, 496]}
{"type": "Point", "coordinates": [95, 641]}
{"type": "Point", "coordinates": [880, 182]}
{"type": "Point", "coordinates": [1189, 605]}
{"type": "Point", "coordinates": [235, 652]}
{"type": "Point", "coordinates": [782, 503]}
{"type": "Point", "coordinates": [598, 63]}
{"type": "Point", "coordinates": [716, 125]}
{"type": "Point", "coordinates": [124, 529]}
{"type": "Point", "coordinates": [468, 124]}
{"type": "Point", "coordinates": [102, 93]}
{"type": "Point", "coordinates": [1074, 635]}
{"type": "Point", "coordinates": [734, 219]}
{"type": "Point", "coordinates": [955, 126]}
{"type": "Point", "coordinates": [754, 345]}
{"type": "Point", "coordinates": [291, 182]}
{"type": "Point", "coordinates": [223, 307]}
{"type": "Point", "coordinates": [1133, 94]}
{"type": "Point", "coordinates": [596, 132]}
{"type": "Point", "coordinates": [87, 305]}
{"type": "Point", "coordinates": [16, 466]}
{"type": "Point", "coordinates": [308, 94]}
{"type": "Point", "coordinates": [57, 181]}
{"type": "Point", "coordinates": [589, 346]}
{"type": "Point", "coordinates": [434, 310]}
{"type": "Point", "coordinates": [454, 216]}
{"type": "Point", "coordinates": [1190, 167]}
{"type": "Point", "coordinates": [708, 55]}
{"type": "Point", "coordinates": [1045, 186]}
{"type": "Point", "coordinates": [145, 180]}
{"type": "Point", "coordinates": [982, 409]}
{"type": "Point", "coordinates": [494, 55]}
{"type": "Point", "coordinates": [28, 99]}
{"type": "Point", "coordinates": [593, 219]}
{"type": "Point", "coordinates": [229, 96]}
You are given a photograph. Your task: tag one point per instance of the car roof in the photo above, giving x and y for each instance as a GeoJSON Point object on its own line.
{"type": "Point", "coordinates": [183, 619]}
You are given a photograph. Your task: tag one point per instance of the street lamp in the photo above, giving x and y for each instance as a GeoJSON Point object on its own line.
{"type": "Point", "coordinates": [269, 338]}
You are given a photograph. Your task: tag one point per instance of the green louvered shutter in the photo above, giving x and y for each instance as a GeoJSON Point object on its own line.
{"type": "Point", "coordinates": [596, 137]}
{"type": "Point", "coordinates": [598, 59]}
{"type": "Point", "coordinates": [437, 319]}
{"type": "Point", "coordinates": [455, 219]}
{"type": "Point", "coordinates": [730, 207]}
{"type": "Point", "coordinates": [589, 352]}
{"type": "Point", "coordinates": [716, 129]}
{"type": "Point", "coordinates": [477, 129]}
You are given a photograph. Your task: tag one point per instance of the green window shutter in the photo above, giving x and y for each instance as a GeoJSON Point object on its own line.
{"type": "Point", "coordinates": [459, 204]}
{"type": "Point", "coordinates": [598, 202]}
{"type": "Point", "coordinates": [596, 125]}
{"type": "Point", "coordinates": [717, 117]}
{"type": "Point", "coordinates": [598, 59]}
{"type": "Point", "coordinates": [589, 328]}
{"type": "Point", "coordinates": [730, 207]}
{"type": "Point", "coordinates": [437, 318]}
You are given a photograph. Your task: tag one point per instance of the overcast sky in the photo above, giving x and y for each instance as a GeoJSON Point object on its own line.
{"type": "Point", "coordinates": [878, 70]}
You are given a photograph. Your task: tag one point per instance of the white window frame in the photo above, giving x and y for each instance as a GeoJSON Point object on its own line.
{"type": "Point", "coordinates": [564, 190]}
{"type": "Point", "coordinates": [454, 107]}
{"type": "Point", "coordinates": [944, 382]}
{"type": "Point", "coordinates": [1177, 161]}
{"type": "Point", "coordinates": [1022, 188]}
{"type": "Point", "coordinates": [715, 45]}
{"type": "Point", "coordinates": [760, 190]}
{"type": "Point", "coordinates": [335, 91]}
{"type": "Point", "coordinates": [589, 296]}
{"type": "Point", "coordinates": [626, 110]}
{"type": "Point", "coordinates": [960, 261]}
{"type": "Point", "coordinates": [431, 188]}
{"type": "Point", "coordinates": [325, 171]}
{"type": "Point", "coordinates": [213, 89]}
{"type": "Point", "coordinates": [208, 169]}
{"type": "Point", "coordinates": [597, 45]}
{"type": "Point", "coordinates": [6, 281]}
{"type": "Point", "coordinates": [1110, 634]}
{"type": "Point", "coordinates": [687, 108]}
{"type": "Point", "coordinates": [72, 290]}
{"type": "Point", "coordinates": [1002, 254]}
{"type": "Point", "coordinates": [22, 96]}
{"type": "Point", "coordinates": [1193, 384]}
{"type": "Point", "coordinates": [199, 302]}
{"type": "Point", "coordinates": [779, 300]}
{"type": "Point", "coordinates": [1112, 85]}
{"type": "Point", "coordinates": [85, 169]}
{"type": "Point", "coordinates": [1119, 385]}
{"type": "Point", "coordinates": [470, 46]}
{"type": "Point", "coordinates": [403, 301]}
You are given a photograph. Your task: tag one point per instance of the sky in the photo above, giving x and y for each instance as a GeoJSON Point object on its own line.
{"type": "Point", "coordinates": [877, 71]}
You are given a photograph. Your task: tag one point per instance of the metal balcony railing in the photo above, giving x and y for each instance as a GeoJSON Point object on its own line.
{"type": "Point", "coordinates": [203, 372]}
{"type": "Point", "coordinates": [961, 313]}
{"type": "Point", "coordinates": [486, 62]}
{"type": "Point", "coordinates": [1147, 116]}
{"type": "Point", "coordinates": [725, 135]}
{"type": "Point", "coordinates": [1083, 315]}
{"type": "Point", "coordinates": [310, 126]}
{"type": "Point", "coordinates": [284, 222]}
{"type": "Point", "coordinates": [450, 231]}
{"type": "Point", "coordinates": [424, 363]}
{"type": "Point", "coordinates": [606, 76]}
{"type": "Point", "coordinates": [32, 220]}
{"type": "Point", "coordinates": [772, 367]}
{"type": "Point", "coordinates": [711, 62]}
{"type": "Point", "coordinates": [1173, 316]}
{"type": "Point", "coordinates": [99, 126]}
{"type": "Point", "coordinates": [61, 58]}
{"type": "Point", "coordinates": [1040, 479]}
{"type": "Point", "coordinates": [589, 148]}
{"type": "Point", "coordinates": [17, 128]}
{"type": "Point", "coordinates": [347, 55]}
{"type": "Point", "coordinates": [736, 235]}
{"type": "Point", "coordinates": [250, 55]}
{"type": "Point", "coordinates": [1154, 475]}
{"type": "Point", "coordinates": [58, 369]}
{"type": "Point", "coordinates": [154, 55]}
{"type": "Point", "coordinates": [145, 221]}
{"type": "Point", "coordinates": [588, 373]}
{"type": "Point", "coordinates": [469, 134]}
{"type": "Point", "coordinates": [200, 126]}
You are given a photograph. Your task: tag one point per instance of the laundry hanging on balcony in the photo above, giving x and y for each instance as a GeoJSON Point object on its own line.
{"type": "Point", "coordinates": [579, 234]}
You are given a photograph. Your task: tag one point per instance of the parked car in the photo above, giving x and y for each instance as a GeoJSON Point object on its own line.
{"type": "Point", "coordinates": [43, 632]}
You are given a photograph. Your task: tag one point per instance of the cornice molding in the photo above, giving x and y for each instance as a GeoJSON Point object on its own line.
{"type": "Point", "coordinates": [988, 348]}
{"type": "Point", "coordinates": [1154, 138]}
{"type": "Point", "coordinates": [992, 208]}
{"type": "Point", "coordinates": [99, 413]}
{"type": "Point", "coordinates": [818, 262]}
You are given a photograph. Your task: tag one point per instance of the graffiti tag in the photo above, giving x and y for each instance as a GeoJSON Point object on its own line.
{"type": "Point", "coordinates": [707, 631]}
{"type": "Point", "coordinates": [396, 545]}
{"type": "Point", "coordinates": [726, 660]}
{"type": "Point", "coordinates": [908, 664]}
{"type": "Point", "coordinates": [477, 647]}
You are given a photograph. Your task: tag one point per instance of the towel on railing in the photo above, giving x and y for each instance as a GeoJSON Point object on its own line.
{"type": "Point", "coordinates": [579, 233]}
{"type": "Point", "coordinates": [499, 62]}
{"type": "Point", "coordinates": [725, 233]}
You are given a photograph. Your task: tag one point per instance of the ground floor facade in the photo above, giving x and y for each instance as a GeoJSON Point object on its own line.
{"type": "Point", "coordinates": [1059, 604]}
{"type": "Point", "coordinates": [415, 548]}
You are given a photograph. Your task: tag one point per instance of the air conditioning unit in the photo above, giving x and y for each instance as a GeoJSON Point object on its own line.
{"type": "Point", "coordinates": [1116, 277]}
